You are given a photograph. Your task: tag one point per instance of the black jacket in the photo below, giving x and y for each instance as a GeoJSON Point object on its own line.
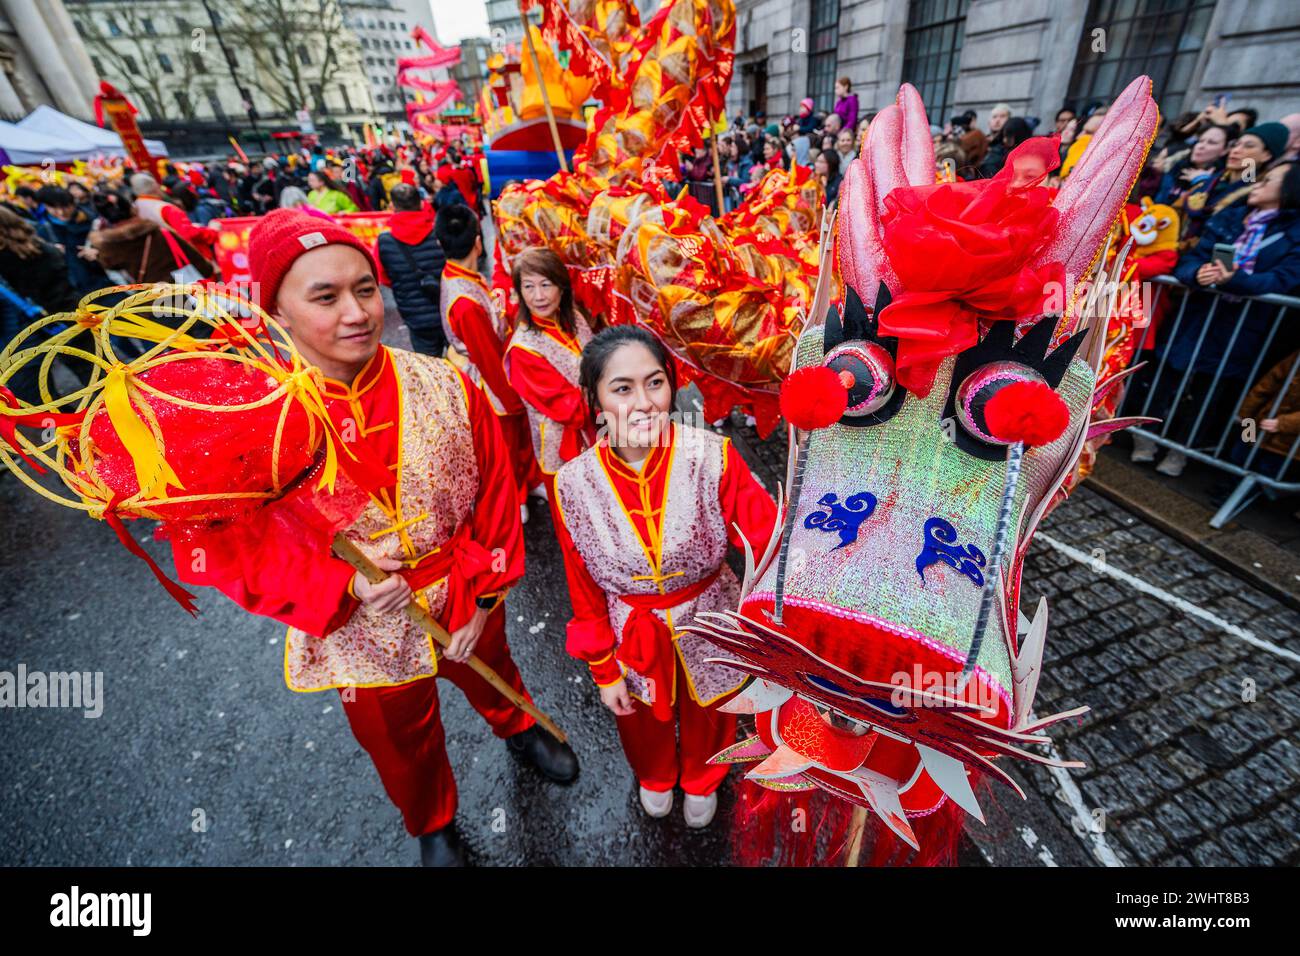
{"type": "Point", "coordinates": [418, 311]}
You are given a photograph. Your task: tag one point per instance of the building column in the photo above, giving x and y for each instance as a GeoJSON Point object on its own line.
{"type": "Point", "coordinates": [46, 54]}
{"type": "Point", "coordinates": [75, 55]}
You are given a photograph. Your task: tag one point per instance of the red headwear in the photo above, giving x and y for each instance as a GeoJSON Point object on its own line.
{"type": "Point", "coordinates": [280, 237]}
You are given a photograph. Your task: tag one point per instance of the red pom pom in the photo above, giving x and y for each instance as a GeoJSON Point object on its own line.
{"type": "Point", "coordinates": [813, 397]}
{"type": "Point", "coordinates": [1030, 412]}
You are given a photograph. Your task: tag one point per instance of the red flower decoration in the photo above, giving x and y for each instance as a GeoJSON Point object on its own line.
{"type": "Point", "coordinates": [961, 253]}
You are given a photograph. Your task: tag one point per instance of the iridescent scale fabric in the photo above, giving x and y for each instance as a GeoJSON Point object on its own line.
{"type": "Point", "coordinates": [916, 473]}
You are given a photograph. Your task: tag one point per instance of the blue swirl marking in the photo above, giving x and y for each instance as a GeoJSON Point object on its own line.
{"type": "Point", "coordinates": [941, 545]}
{"type": "Point", "coordinates": [845, 517]}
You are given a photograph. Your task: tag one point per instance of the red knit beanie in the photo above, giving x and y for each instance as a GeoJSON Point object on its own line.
{"type": "Point", "coordinates": [280, 237]}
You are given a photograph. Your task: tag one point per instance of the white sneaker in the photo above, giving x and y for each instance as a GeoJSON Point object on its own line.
{"type": "Point", "coordinates": [699, 811]}
{"type": "Point", "coordinates": [1173, 464]}
{"type": "Point", "coordinates": [1144, 450]}
{"type": "Point", "coordinates": [523, 514]}
{"type": "Point", "coordinates": [655, 804]}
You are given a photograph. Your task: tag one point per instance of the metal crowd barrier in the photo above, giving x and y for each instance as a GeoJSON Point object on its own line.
{"type": "Point", "coordinates": [1251, 481]}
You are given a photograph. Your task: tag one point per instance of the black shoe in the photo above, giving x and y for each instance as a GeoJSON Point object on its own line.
{"type": "Point", "coordinates": [556, 761]}
{"type": "Point", "coordinates": [442, 848]}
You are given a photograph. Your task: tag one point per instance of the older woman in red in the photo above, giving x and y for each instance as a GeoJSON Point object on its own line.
{"type": "Point", "coordinates": [541, 361]}
{"type": "Point", "coordinates": [645, 517]}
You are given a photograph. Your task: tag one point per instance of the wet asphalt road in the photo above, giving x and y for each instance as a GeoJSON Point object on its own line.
{"type": "Point", "coordinates": [203, 756]}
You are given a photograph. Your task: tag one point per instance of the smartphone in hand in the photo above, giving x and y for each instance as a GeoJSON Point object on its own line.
{"type": "Point", "coordinates": [1225, 254]}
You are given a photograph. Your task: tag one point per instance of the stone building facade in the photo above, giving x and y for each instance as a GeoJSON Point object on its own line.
{"type": "Point", "coordinates": [1034, 55]}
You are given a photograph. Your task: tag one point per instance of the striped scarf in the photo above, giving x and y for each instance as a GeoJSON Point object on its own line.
{"type": "Point", "coordinates": [1252, 234]}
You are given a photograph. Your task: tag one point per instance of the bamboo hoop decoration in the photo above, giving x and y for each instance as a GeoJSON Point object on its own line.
{"type": "Point", "coordinates": [349, 552]}
{"type": "Point", "coordinates": [255, 341]}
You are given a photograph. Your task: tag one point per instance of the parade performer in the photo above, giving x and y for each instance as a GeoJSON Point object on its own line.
{"type": "Point", "coordinates": [646, 516]}
{"type": "Point", "coordinates": [936, 413]}
{"type": "Point", "coordinates": [445, 525]}
{"type": "Point", "coordinates": [541, 361]}
{"type": "Point", "coordinates": [477, 331]}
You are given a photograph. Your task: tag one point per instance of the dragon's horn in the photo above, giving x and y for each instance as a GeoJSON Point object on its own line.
{"type": "Point", "coordinates": [1095, 191]}
{"type": "Point", "coordinates": [899, 152]}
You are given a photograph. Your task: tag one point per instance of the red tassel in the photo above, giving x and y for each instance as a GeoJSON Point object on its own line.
{"type": "Point", "coordinates": [813, 397]}
{"type": "Point", "coordinates": [181, 596]}
{"type": "Point", "coordinates": [1029, 412]}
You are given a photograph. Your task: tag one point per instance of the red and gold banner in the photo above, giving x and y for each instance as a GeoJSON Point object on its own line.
{"type": "Point", "coordinates": [121, 114]}
{"type": "Point", "coordinates": [232, 239]}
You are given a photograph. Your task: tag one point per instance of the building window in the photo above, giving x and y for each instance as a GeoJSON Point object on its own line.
{"type": "Point", "coordinates": [166, 63]}
{"type": "Point", "coordinates": [182, 25]}
{"type": "Point", "coordinates": [196, 61]}
{"type": "Point", "coordinates": [183, 101]}
{"type": "Point", "coordinates": [824, 41]}
{"type": "Point", "coordinates": [113, 28]}
{"type": "Point", "coordinates": [303, 56]}
{"type": "Point", "coordinates": [1161, 38]}
{"type": "Point", "coordinates": [214, 102]}
{"type": "Point", "coordinates": [129, 62]}
{"type": "Point", "coordinates": [99, 67]}
{"type": "Point", "coordinates": [319, 98]}
{"type": "Point", "coordinates": [347, 102]}
{"type": "Point", "coordinates": [81, 27]}
{"type": "Point", "coordinates": [932, 52]}
{"type": "Point", "coordinates": [147, 23]}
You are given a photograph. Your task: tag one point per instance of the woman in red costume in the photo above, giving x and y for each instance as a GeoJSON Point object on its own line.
{"type": "Point", "coordinates": [437, 510]}
{"type": "Point", "coordinates": [477, 331]}
{"type": "Point", "coordinates": [542, 358]}
{"type": "Point", "coordinates": [645, 519]}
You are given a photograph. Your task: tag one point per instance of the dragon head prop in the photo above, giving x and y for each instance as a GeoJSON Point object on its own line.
{"type": "Point", "coordinates": [890, 662]}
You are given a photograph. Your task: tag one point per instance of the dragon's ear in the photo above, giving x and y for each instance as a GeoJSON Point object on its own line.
{"type": "Point", "coordinates": [856, 324]}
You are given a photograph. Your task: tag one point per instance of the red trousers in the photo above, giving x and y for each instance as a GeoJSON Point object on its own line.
{"type": "Point", "coordinates": [661, 760]}
{"type": "Point", "coordinates": [401, 728]}
{"type": "Point", "coordinates": [523, 463]}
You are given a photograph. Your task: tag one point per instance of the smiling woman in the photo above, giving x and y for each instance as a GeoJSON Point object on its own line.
{"type": "Point", "coordinates": [644, 519]}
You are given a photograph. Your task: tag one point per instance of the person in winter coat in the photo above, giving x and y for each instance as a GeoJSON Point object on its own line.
{"type": "Point", "coordinates": [411, 263]}
{"type": "Point", "coordinates": [1271, 413]}
{"type": "Point", "coordinates": [140, 247]}
{"type": "Point", "coordinates": [846, 103]}
{"type": "Point", "coordinates": [1266, 236]}
{"type": "Point", "coordinates": [150, 204]}
{"type": "Point", "coordinates": [68, 225]}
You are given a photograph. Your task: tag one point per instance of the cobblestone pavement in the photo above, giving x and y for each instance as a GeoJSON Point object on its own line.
{"type": "Point", "coordinates": [1193, 678]}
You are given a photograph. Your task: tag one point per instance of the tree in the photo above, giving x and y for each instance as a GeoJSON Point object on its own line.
{"type": "Point", "coordinates": [277, 32]}
{"type": "Point", "coordinates": [138, 63]}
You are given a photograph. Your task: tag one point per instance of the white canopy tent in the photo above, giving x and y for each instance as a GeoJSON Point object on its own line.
{"type": "Point", "coordinates": [47, 134]}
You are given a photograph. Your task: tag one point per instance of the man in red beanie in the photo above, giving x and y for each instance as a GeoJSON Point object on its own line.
{"type": "Point", "coordinates": [443, 520]}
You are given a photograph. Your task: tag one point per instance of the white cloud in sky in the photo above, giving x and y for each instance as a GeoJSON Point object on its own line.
{"type": "Point", "coordinates": [457, 19]}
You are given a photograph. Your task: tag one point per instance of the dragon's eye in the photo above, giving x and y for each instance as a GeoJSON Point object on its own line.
{"type": "Point", "coordinates": [867, 370]}
{"type": "Point", "coordinates": [982, 384]}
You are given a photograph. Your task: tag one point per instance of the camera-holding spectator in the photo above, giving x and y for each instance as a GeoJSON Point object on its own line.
{"type": "Point", "coordinates": [411, 261]}
{"type": "Point", "coordinates": [1264, 235]}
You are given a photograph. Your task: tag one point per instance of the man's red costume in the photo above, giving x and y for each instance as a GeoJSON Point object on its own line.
{"type": "Point", "coordinates": [449, 514]}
